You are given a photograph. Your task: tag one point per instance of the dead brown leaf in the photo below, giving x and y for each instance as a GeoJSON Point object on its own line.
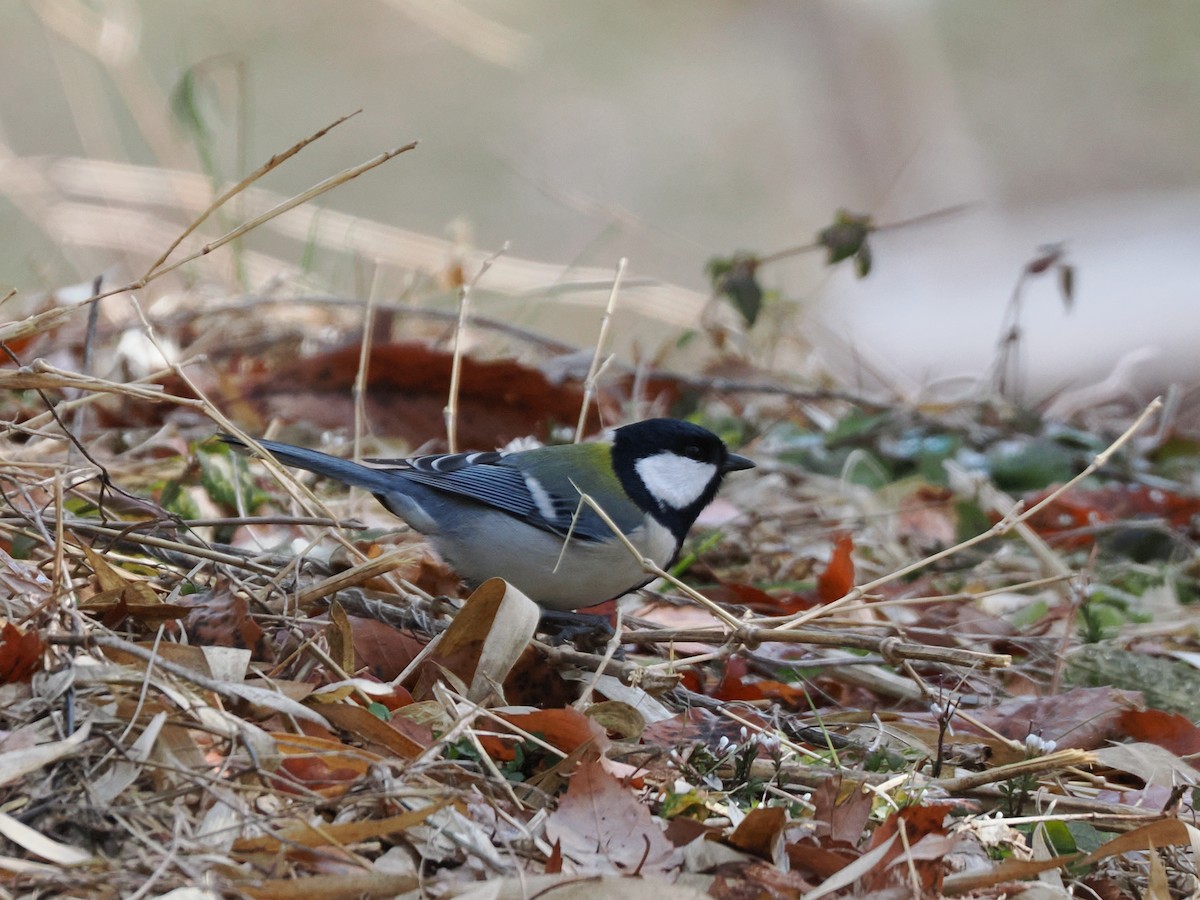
{"type": "Point", "coordinates": [603, 829]}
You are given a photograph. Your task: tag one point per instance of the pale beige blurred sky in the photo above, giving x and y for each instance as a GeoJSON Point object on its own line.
{"type": "Point", "coordinates": [672, 131]}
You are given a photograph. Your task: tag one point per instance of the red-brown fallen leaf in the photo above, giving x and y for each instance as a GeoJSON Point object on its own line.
{"type": "Point", "coordinates": [533, 682]}
{"type": "Point", "coordinates": [483, 644]}
{"type": "Point", "coordinates": [923, 851]}
{"type": "Point", "coordinates": [398, 698]}
{"type": "Point", "coordinates": [399, 736]}
{"type": "Point", "coordinates": [785, 603]}
{"type": "Point", "coordinates": [690, 679]}
{"type": "Point", "coordinates": [407, 386]}
{"type": "Point", "coordinates": [1081, 718]}
{"type": "Point", "coordinates": [608, 608]}
{"type": "Point", "coordinates": [841, 809]}
{"type": "Point", "coordinates": [1170, 731]}
{"type": "Point", "coordinates": [918, 821]}
{"type": "Point", "coordinates": [926, 857]}
{"type": "Point", "coordinates": [603, 828]}
{"type": "Point", "coordinates": [554, 860]}
{"type": "Point", "coordinates": [837, 580]}
{"type": "Point", "coordinates": [317, 764]}
{"type": "Point", "coordinates": [683, 829]}
{"type": "Point", "coordinates": [221, 618]}
{"type": "Point", "coordinates": [383, 650]}
{"type": "Point", "coordinates": [21, 654]}
{"type": "Point", "coordinates": [822, 860]}
{"type": "Point", "coordinates": [1071, 519]}
{"type": "Point", "coordinates": [754, 880]}
{"type": "Point", "coordinates": [733, 686]}
{"type": "Point", "coordinates": [758, 833]}
{"type": "Point", "coordinates": [121, 596]}
{"type": "Point", "coordinates": [566, 729]}
{"type": "Point", "coordinates": [134, 601]}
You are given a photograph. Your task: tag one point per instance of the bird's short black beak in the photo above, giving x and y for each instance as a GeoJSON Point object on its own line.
{"type": "Point", "coordinates": [735, 463]}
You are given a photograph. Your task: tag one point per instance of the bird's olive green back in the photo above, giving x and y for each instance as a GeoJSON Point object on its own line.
{"type": "Point", "coordinates": [572, 469]}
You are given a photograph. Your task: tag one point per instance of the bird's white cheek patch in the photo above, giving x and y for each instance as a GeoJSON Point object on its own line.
{"type": "Point", "coordinates": [674, 480]}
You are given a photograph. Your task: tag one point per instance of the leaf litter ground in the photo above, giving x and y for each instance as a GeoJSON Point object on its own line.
{"type": "Point", "coordinates": [926, 669]}
{"type": "Point", "coordinates": [183, 709]}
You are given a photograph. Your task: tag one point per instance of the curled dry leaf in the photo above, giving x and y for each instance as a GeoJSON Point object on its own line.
{"type": "Point", "coordinates": [759, 833]}
{"type": "Point", "coordinates": [16, 764]}
{"type": "Point", "coordinates": [484, 641]}
{"type": "Point", "coordinates": [329, 768]}
{"type": "Point", "coordinates": [39, 845]}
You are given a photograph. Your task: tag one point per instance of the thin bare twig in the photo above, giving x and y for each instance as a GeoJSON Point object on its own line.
{"type": "Point", "coordinates": [460, 330]}
{"type": "Point", "coordinates": [589, 384]}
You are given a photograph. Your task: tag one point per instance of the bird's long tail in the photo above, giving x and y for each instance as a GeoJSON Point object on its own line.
{"type": "Point", "coordinates": [378, 481]}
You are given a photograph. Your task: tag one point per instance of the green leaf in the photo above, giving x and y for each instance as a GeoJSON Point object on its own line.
{"type": "Point", "coordinates": [736, 279]}
{"type": "Point", "coordinates": [1060, 837]}
{"type": "Point", "coordinates": [230, 486]}
{"type": "Point", "coordinates": [972, 520]}
{"type": "Point", "coordinates": [847, 237]}
{"type": "Point", "coordinates": [1031, 465]}
{"type": "Point", "coordinates": [380, 711]}
{"type": "Point", "coordinates": [856, 425]}
{"type": "Point", "coordinates": [185, 103]}
{"type": "Point", "coordinates": [1087, 837]}
{"type": "Point", "coordinates": [176, 500]}
{"type": "Point", "coordinates": [862, 260]}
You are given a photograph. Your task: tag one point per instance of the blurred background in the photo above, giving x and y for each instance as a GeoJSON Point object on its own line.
{"type": "Point", "coordinates": [668, 133]}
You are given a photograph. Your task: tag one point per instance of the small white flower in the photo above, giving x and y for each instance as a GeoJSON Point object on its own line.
{"type": "Point", "coordinates": [1039, 746]}
{"type": "Point", "coordinates": [769, 742]}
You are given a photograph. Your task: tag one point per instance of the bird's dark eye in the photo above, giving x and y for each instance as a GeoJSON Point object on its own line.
{"type": "Point", "coordinates": [693, 451]}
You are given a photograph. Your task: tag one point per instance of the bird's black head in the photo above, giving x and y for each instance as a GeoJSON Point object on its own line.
{"type": "Point", "coordinates": [672, 469]}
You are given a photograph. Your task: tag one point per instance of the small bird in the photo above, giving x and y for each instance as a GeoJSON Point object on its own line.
{"type": "Point", "coordinates": [517, 515]}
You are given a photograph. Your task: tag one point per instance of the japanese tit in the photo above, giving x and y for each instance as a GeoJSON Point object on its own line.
{"type": "Point", "coordinates": [518, 515]}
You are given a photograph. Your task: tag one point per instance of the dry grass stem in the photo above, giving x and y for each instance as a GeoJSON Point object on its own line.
{"type": "Point", "coordinates": [352, 577]}
{"type": "Point", "coordinates": [460, 331]}
{"type": "Point", "coordinates": [891, 648]}
{"type": "Point", "coordinates": [130, 535]}
{"type": "Point", "coordinates": [246, 227]}
{"type": "Point", "coordinates": [361, 382]}
{"type": "Point", "coordinates": [55, 318]}
{"type": "Point", "coordinates": [1036, 767]}
{"type": "Point", "coordinates": [273, 163]}
{"type": "Point", "coordinates": [40, 375]}
{"type": "Point", "coordinates": [589, 384]}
